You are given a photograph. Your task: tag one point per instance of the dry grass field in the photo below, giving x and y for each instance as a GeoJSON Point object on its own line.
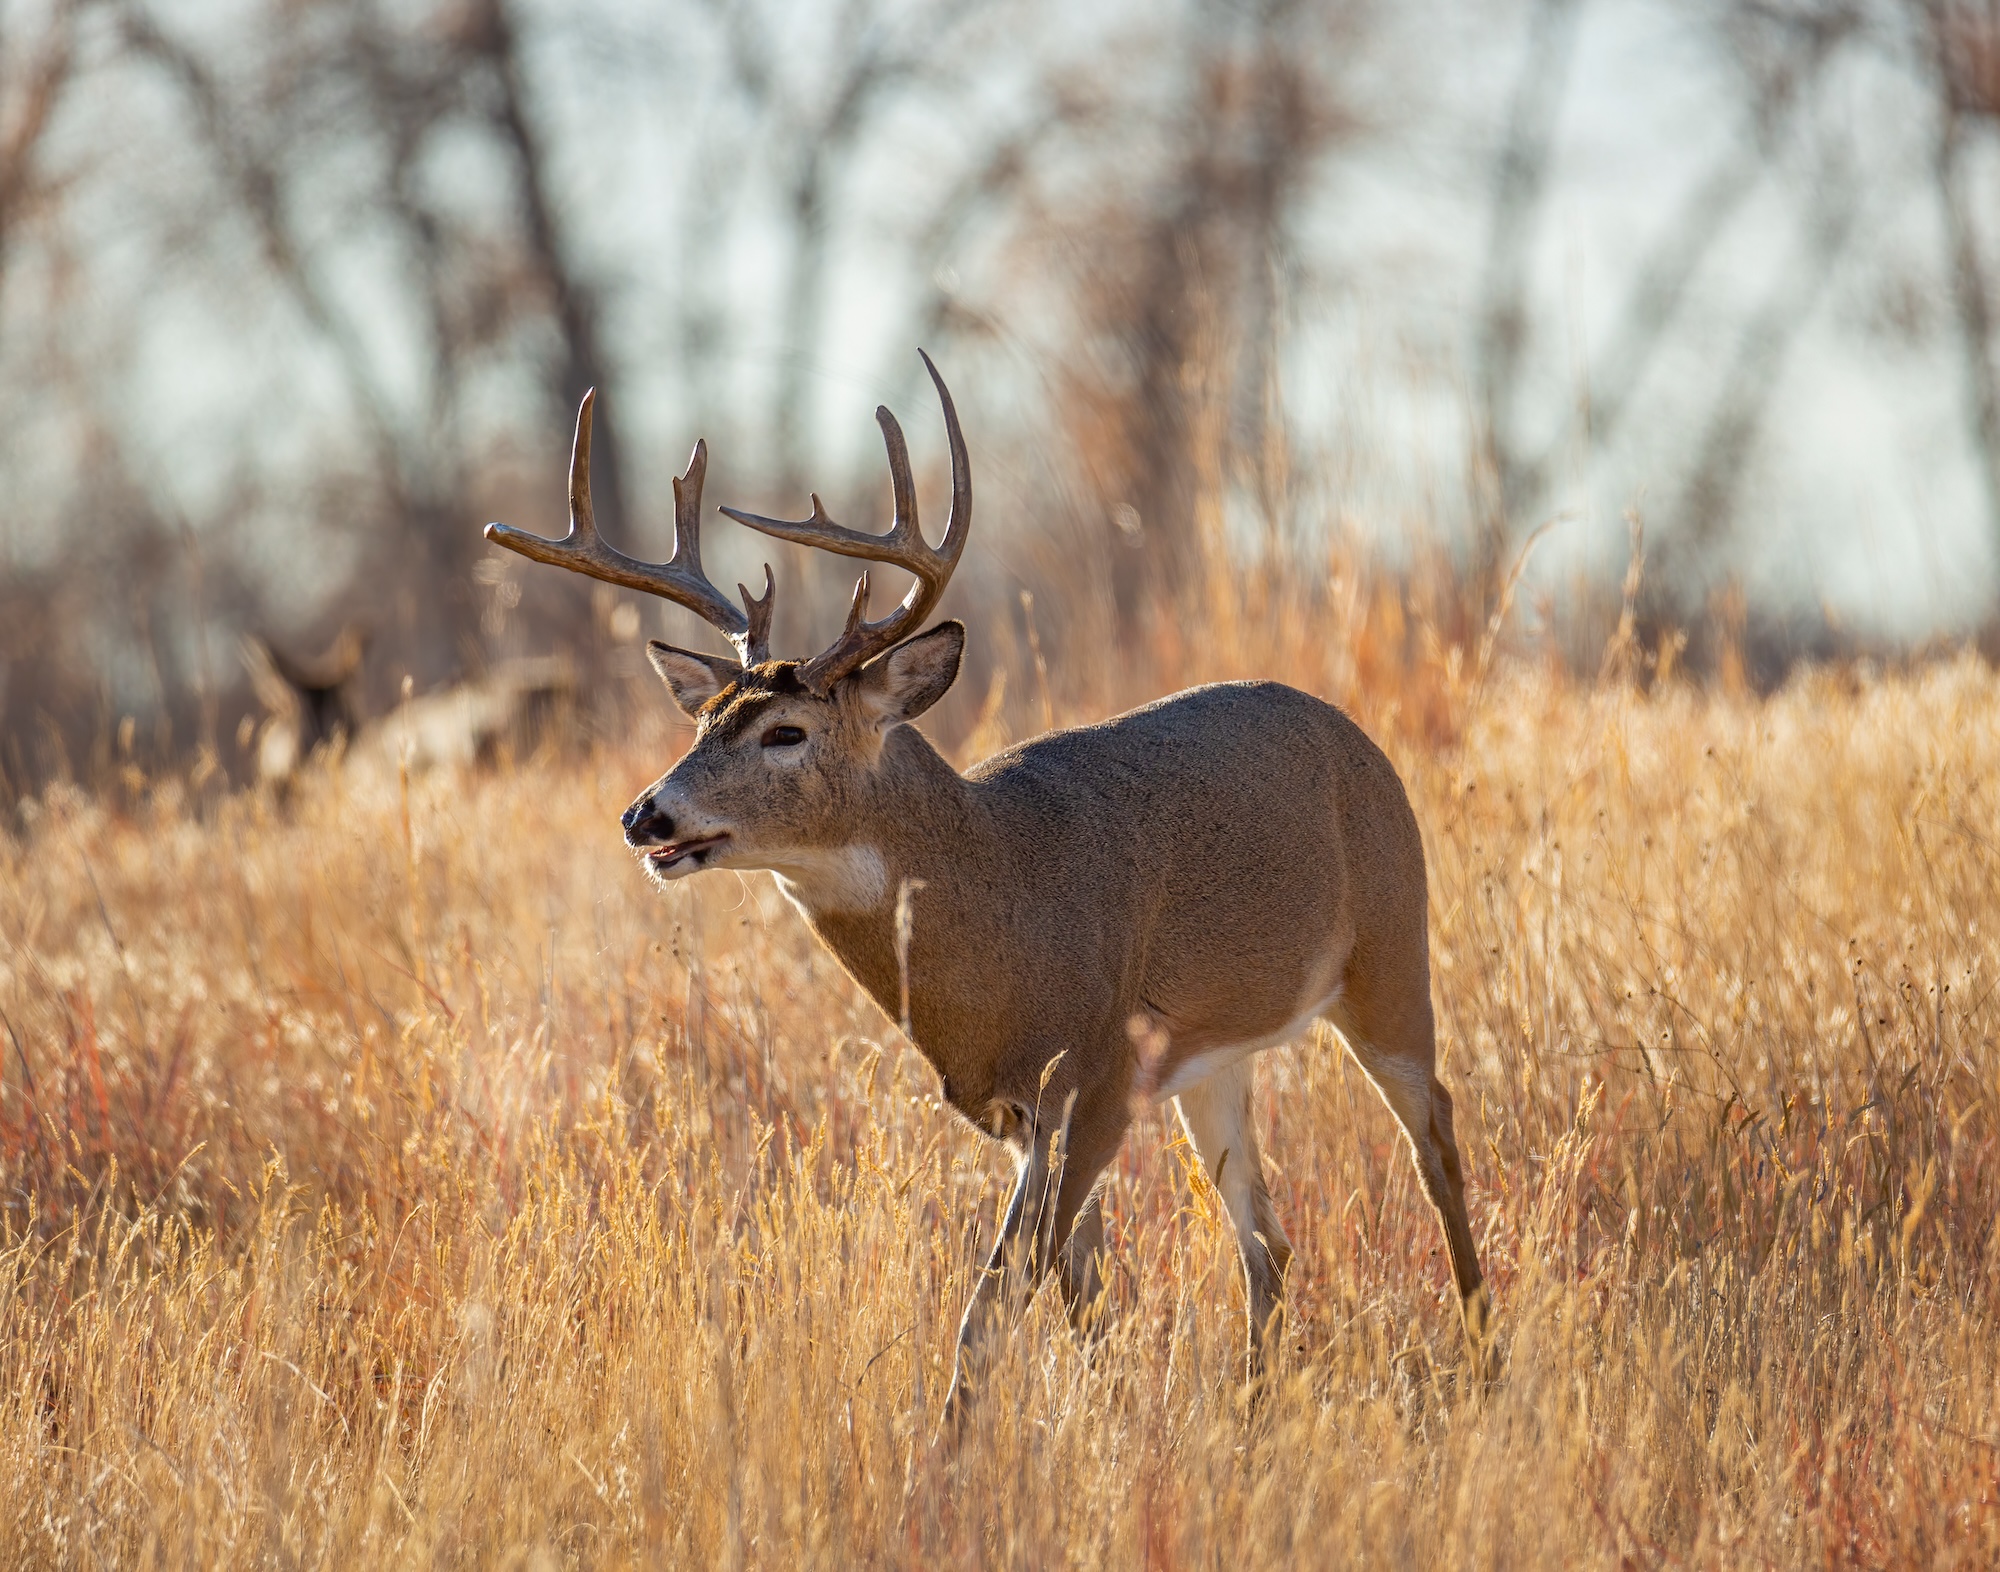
{"type": "Point", "coordinates": [392, 1177]}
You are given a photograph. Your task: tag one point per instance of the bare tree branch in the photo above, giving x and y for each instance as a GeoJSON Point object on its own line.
{"type": "Point", "coordinates": [255, 181]}
{"type": "Point", "coordinates": [821, 138]}
{"type": "Point", "coordinates": [1965, 49]}
{"type": "Point", "coordinates": [51, 66]}
{"type": "Point", "coordinates": [1520, 175]}
{"type": "Point", "coordinates": [1654, 299]}
{"type": "Point", "coordinates": [573, 299]}
{"type": "Point", "coordinates": [1710, 497]}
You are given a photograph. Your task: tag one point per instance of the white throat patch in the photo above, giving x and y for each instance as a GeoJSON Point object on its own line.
{"type": "Point", "coordinates": [830, 879]}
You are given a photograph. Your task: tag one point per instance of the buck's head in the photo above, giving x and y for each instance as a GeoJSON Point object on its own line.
{"type": "Point", "coordinates": [785, 752]}
{"type": "Point", "coordinates": [780, 771]}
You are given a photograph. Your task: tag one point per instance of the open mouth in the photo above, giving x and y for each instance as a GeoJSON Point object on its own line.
{"type": "Point", "coordinates": [684, 856]}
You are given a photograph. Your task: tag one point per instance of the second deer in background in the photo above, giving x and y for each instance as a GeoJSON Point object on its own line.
{"type": "Point", "coordinates": [310, 712]}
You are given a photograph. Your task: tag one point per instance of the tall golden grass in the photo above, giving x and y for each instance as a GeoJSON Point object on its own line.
{"type": "Point", "coordinates": [397, 1179]}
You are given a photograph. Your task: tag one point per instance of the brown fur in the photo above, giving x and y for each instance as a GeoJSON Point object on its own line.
{"type": "Point", "coordinates": [1091, 912]}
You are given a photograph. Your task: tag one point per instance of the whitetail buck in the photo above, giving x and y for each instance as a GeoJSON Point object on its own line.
{"type": "Point", "coordinates": [1098, 918]}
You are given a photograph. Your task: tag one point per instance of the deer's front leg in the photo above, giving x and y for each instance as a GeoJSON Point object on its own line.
{"type": "Point", "coordinates": [1052, 1220]}
{"type": "Point", "coordinates": [1019, 1228]}
{"type": "Point", "coordinates": [1082, 1267]}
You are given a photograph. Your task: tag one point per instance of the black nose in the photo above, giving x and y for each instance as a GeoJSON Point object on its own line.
{"type": "Point", "coordinates": [645, 825]}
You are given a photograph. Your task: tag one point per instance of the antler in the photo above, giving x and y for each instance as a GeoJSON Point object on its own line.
{"type": "Point", "coordinates": [678, 579]}
{"type": "Point", "coordinates": [903, 547]}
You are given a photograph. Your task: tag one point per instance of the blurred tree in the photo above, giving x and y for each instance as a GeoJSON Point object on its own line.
{"type": "Point", "coordinates": [1521, 170]}
{"type": "Point", "coordinates": [1778, 56]}
{"type": "Point", "coordinates": [38, 60]}
{"type": "Point", "coordinates": [475, 278]}
{"type": "Point", "coordinates": [811, 109]}
{"type": "Point", "coordinates": [1181, 264]}
{"type": "Point", "coordinates": [1959, 40]}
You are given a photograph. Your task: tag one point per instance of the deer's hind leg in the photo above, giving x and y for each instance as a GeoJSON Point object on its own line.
{"type": "Point", "coordinates": [1217, 1117]}
{"type": "Point", "coordinates": [1397, 1049]}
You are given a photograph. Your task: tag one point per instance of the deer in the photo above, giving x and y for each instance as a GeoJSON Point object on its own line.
{"type": "Point", "coordinates": [1088, 923]}
{"type": "Point", "coordinates": [310, 713]}
{"type": "Point", "coordinates": [308, 703]}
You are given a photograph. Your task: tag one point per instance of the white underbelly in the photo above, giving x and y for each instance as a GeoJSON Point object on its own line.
{"type": "Point", "coordinates": [1196, 1068]}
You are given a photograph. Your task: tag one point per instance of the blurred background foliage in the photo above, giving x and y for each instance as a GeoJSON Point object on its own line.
{"type": "Point", "coordinates": [296, 294]}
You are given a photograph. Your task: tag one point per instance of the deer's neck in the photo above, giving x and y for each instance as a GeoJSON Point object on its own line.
{"type": "Point", "coordinates": [922, 833]}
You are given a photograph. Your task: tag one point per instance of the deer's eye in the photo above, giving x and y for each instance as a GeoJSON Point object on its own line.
{"type": "Point", "coordinates": [784, 737]}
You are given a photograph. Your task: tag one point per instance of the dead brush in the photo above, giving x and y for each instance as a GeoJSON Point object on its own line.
{"type": "Point", "coordinates": [463, 1202]}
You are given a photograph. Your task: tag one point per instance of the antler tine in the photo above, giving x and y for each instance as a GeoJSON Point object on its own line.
{"type": "Point", "coordinates": [903, 546]}
{"type": "Point", "coordinates": [755, 646]}
{"type": "Point", "coordinates": [958, 522]}
{"type": "Point", "coordinates": [678, 579]}
{"type": "Point", "coordinates": [687, 510]}
{"type": "Point", "coordinates": [903, 526]}
{"type": "Point", "coordinates": [582, 520]}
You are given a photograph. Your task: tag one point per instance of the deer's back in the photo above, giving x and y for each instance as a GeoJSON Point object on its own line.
{"type": "Point", "coordinates": [1225, 852]}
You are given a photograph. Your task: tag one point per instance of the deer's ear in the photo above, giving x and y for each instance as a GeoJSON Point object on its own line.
{"type": "Point", "coordinates": [692, 679]}
{"type": "Point", "coordinates": [902, 684]}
